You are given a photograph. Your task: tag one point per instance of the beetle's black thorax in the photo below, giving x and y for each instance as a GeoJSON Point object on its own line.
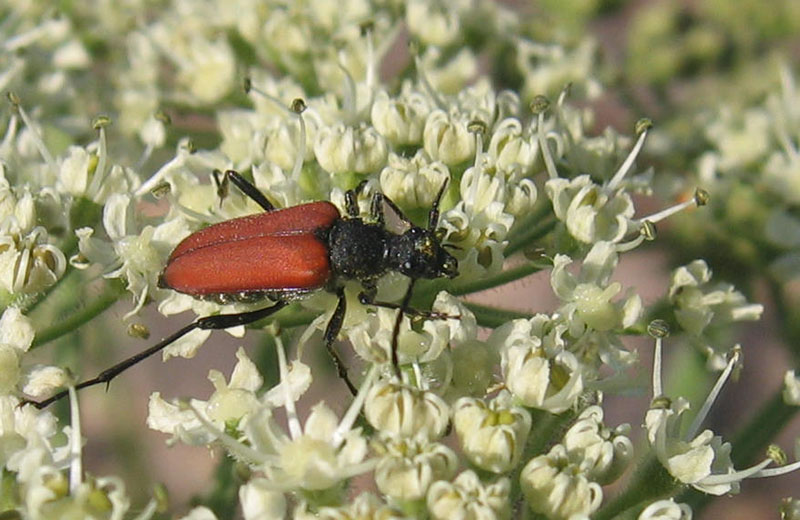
{"type": "Point", "coordinates": [357, 249]}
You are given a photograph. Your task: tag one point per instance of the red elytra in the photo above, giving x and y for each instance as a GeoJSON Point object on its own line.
{"type": "Point", "coordinates": [279, 251]}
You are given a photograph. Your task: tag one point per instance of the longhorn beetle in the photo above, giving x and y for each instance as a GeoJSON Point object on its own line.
{"type": "Point", "coordinates": [282, 254]}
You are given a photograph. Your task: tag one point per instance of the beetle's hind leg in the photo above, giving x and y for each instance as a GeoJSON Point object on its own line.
{"type": "Point", "coordinates": [331, 333]}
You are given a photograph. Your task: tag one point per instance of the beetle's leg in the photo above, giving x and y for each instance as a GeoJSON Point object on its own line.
{"type": "Point", "coordinates": [244, 186]}
{"type": "Point", "coordinates": [351, 204]}
{"type": "Point", "coordinates": [376, 208]}
{"type": "Point", "coordinates": [367, 299]}
{"type": "Point", "coordinates": [351, 199]}
{"type": "Point", "coordinates": [220, 321]}
{"type": "Point", "coordinates": [331, 332]}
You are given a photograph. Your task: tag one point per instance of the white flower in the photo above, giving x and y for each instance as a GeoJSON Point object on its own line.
{"type": "Point", "coordinates": [700, 460]}
{"type": "Point", "coordinates": [229, 406]}
{"type": "Point", "coordinates": [434, 23]}
{"type": "Point", "coordinates": [208, 69]}
{"type": "Point", "coordinates": [408, 466]}
{"type": "Point", "coordinates": [601, 452]}
{"type": "Point", "coordinates": [234, 400]}
{"type": "Point", "coordinates": [406, 411]}
{"type": "Point", "coordinates": [287, 32]}
{"type": "Point", "coordinates": [741, 137]}
{"type": "Point", "coordinates": [16, 329]}
{"type": "Point", "coordinates": [346, 149]}
{"type": "Point", "coordinates": [22, 428]}
{"type": "Point", "coordinates": [481, 220]}
{"type": "Point", "coordinates": [790, 509]}
{"type": "Point", "coordinates": [134, 254]}
{"type": "Point", "coordinates": [200, 513]}
{"type": "Point", "coordinates": [448, 74]}
{"type": "Point", "coordinates": [587, 296]}
{"type": "Point", "coordinates": [413, 182]}
{"type": "Point", "coordinates": [557, 489]}
{"type": "Point", "coordinates": [287, 141]}
{"type": "Point", "coordinates": [315, 456]}
{"type": "Point", "coordinates": [43, 380]}
{"type": "Point", "coordinates": [71, 55]}
{"type": "Point", "coordinates": [590, 212]}
{"type": "Point", "coordinates": [700, 304]}
{"type": "Point", "coordinates": [242, 133]}
{"type": "Point", "coordinates": [791, 388]}
{"type": "Point", "coordinates": [86, 172]}
{"type": "Point", "coordinates": [91, 500]}
{"type": "Point", "coordinates": [29, 264]}
{"type": "Point", "coordinates": [596, 212]}
{"type": "Point", "coordinates": [468, 498]}
{"type": "Point", "coordinates": [547, 68]}
{"type": "Point", "coordinates": [74, 174]}
{"type": "Point", "coordinates": [492, 435]}
{"type": "Point", "coordinates": [690, 460]}
{"type": "Point", "coordinates": [447, 138]}
{"type": "Point", "coordinates": [511, 146]}
{"type": "Point", "coordinates": [259, 502]}
{"type": "Point", "coordinates": [365, 505]}
{"type": "Point", "coordinates": [16, 337]}
{"type": "Point", "coordinates": [320, 455]}
{"type": "Point", "coordinates": [182, 424]}
{"type": "Point", "coordinates": [536, 368]}
{"type": "Point", "coordinates": [153, 132]}
{"type": "Point", "coordinates": [401, 119]}
{"type": "Point", "coordinates": [666, 509]}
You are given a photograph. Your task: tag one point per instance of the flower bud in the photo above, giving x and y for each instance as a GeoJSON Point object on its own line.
{"type": "Point", "coordinates": [345, 149]}
{"type": "Point", "coordinates": [408, 467]}
{"type": "Point", "coordinates": [469, 498]}
{"type": "Point", "coordinates": [666, 510]}
{"type": "Point", "coordinates": [406, 411]}
{"type": "Point", "coordinates": [447, 139]}
{"type": "Point", "coordinates": [400, 120]}
{"type": "Point", "coordinates": [602, 453]}
{"type": "Point", "coordinates": [492, 435]}
{"type": "Point", "coordinates": [557, 489]}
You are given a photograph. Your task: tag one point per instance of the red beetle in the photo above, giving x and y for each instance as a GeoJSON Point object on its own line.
{"type": "Point", "coordinates": [282, 254]}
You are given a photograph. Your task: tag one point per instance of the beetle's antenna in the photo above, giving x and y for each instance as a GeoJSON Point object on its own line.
{"type": "Point", "coordinates": [218, 321]}
{"type": "Point", "coordinates": [433, 215]}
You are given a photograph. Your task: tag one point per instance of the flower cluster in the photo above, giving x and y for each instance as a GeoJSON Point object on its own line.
{"type": "Point", "coordinates": [319, 101]}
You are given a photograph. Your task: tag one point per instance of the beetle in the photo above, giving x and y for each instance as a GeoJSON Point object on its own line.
{"type": "Point", "coordinates": [284, 254]}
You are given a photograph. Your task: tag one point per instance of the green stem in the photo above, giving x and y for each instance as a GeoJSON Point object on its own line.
{"type": "Point", "coordinates": [530, 229]}
{"type": "Point", "coordinates": [786, 318]}
{"type": "Point", "coordinates": [491, 317]}
{"type": "Point", "coordinates": [73, 322]}
{"type": "Point", "coordinates": [223, 497]}
{"type": "Point", "coordinates": [530, 236]}
{"type": "Point", "coordinates": [507, 276]}
{"type": "Point", "coordinates": [30, 305]}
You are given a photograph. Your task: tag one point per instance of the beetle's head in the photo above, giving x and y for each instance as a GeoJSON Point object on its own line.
{"type": "Point", "coordinates": [420, 255]}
